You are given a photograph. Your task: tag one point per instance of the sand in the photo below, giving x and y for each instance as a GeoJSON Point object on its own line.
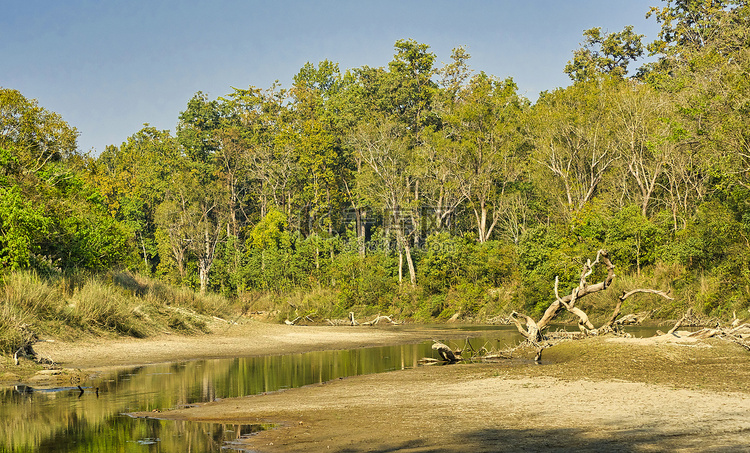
{"type": "Point", "coordinates": [602, 394]}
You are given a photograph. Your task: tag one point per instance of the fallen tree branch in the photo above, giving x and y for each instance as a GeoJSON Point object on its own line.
{"type": "Point", "coordinates": [446, 353]}
{"type": "Point", "coordinates": [378, 319]}
{"type": "Point", "coordinates": [612, 320]}
{"type": "Point", "coordinates": [292, 322]}
{"type": "Point", "coordinates": [353, 322]}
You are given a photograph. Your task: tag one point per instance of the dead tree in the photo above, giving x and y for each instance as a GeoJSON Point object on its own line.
{"type": "Point", "coordinates": [533, 331]}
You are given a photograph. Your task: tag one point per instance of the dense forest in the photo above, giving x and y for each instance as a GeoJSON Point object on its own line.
{"type": "Point", "coordinates": [416, 189]}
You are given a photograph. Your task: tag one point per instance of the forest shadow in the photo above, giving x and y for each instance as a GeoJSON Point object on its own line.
{"type": "Point", "coordinates": [564, 440]}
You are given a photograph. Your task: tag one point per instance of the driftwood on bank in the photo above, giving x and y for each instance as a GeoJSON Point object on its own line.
{"type": "Point", "coordinates": [350, 321]}
{"type": "Point", "coordinates": [446, 353]}
{"type": "Point", "coordinates": [737, 332]}
{"type": "Point", "coordinates": [353, 322]}
{"type": "Point", "coordinates": [297, 319]}
{"type": "Point", "coordinates": [536, 336]}
{"type": "Point", "coordinates": [534, 331]}
{"type": "Point", "coordinates": [26, 348]}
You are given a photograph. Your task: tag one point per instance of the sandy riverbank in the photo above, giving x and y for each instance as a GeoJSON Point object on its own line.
{"type": "Point", "coordinates": [246, 338]}
{"type": "Point", "coordinates": [599, 394]}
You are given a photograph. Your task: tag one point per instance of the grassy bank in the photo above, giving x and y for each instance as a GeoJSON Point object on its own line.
{"type": "Point", "coordinates": [125, 304]}
{"type": "Point", "coordinates": [110, 304]}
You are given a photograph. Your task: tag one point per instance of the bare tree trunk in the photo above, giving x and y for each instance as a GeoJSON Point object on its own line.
{"type": "Point", "coordinates": [400, 266]}
{"type": "Point", "coordinates": [410, 263]}
{"type": "Point", "coordinates": [404, 251]}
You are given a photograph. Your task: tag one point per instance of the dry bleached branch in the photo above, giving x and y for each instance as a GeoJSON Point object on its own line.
{"type": "Point", "coordinates": [350, 321]}
{"type": "Point", "coordinates": [534, 331]}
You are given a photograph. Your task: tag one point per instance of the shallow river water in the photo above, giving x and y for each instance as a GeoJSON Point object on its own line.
{"type": "Point", "coordinates": [66, 420]}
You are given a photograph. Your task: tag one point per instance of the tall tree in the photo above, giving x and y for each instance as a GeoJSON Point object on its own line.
{"type": "Point", "coordinates": [322, 161]}
{"type": "Point", "coordinates": [573, 141]}
{"type": "Point", "coordinates": [486, 125]}
{"type": "Point", "coordinates": [193, 221]}
{"type": "Point", "coordinates": [643, 138]}
{"type": "Point", "coordinates": [37, 135]}
{"type": "Point", "coordinates": [133, 178]}
{"type": "Point", "coordinates": [386, 181]}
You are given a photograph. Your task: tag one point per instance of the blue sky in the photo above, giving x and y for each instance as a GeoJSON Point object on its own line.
{"type": "Point", "coordinates": [108, 67]}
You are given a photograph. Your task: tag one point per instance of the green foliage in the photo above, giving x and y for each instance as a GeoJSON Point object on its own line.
{"type": "Point", "coordinates": [269, 233]}
{"type": "Point", "coordinates": [328, 193]}
{"type": "Point", "coordinates": [363, 282]}
{"type": "Point", "coordinates": [36, 135]}
{"type": "Point", "coordinates": [546, 252]}
{"type": "Point", "coordinates": [22, 227]}
{"type": "Point", "coordinates": [707, 239]}
{"type": "Point", "coordinates": [608, 54]}
{"type": "Point", "coordinates": [451, 261]}
{"type": "Point", "coordinates": [633, 240]}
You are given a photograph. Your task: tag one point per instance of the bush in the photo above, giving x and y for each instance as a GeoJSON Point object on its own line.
{"type": "Point", "coordinates": [632, 240]}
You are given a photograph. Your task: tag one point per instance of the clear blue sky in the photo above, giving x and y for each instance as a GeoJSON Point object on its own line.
{"type": "Point", "coordinates": [109, 66]}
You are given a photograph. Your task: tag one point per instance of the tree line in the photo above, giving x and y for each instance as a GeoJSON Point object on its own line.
{"type": "Point", "coordinates": [414, 184]}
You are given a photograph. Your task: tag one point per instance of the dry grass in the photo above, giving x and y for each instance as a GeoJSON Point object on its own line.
{"type": "Point", "coordinates": [112, 304]}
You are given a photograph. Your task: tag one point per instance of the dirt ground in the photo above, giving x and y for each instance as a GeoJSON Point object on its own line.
{"type": "Point", "coordinates": [600, 394]}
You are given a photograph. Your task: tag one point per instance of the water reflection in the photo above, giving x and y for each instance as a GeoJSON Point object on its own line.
{"type": "Point", "coordinates": [64, 420]}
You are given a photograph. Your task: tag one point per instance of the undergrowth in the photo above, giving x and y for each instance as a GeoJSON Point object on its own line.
{"type": "Point", "coordinates": [122, 303]}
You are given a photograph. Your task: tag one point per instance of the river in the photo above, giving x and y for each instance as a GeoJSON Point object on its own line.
{"type": "Point", "coordinates": [64, 419]}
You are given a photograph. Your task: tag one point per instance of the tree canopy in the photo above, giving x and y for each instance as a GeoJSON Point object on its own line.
{"type": "Point", "coordinates": [413, 181]}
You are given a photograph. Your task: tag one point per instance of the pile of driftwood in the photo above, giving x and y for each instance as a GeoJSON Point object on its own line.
{"type": "Point", "coordinates": [533, 331]}
{"type": "Point", "coordinates": [350, 321]}
{"type": "Point", "coordinates": [737, 332]}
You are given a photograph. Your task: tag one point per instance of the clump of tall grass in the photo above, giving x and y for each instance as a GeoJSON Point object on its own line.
{"type": "Point", "coordinates": [156, 293]}
{"type": "Point", "coordinates": [26, 293]}
{"type": "Point", "coordinates": [204, 304]}
{"type": "Point", "coordinates": [101, 306]}
{"type": "Point", "coordinates": [13, 335]}
{"type": "Point", "coordinates": [115, 303]}
{"type": "Point", "coordinates": [317, 304]}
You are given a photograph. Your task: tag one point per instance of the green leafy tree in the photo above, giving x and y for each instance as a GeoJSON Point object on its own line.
{"type": "Point", "coordinates": [133, 178]}
{"type": "Point", "coordinates": [36, 135]}
{"type": "Point", "coordinates": [386, 180]}
{"type": "Point", "coordinates": [267, 143]}
{"type": "Point", "coordinates": [197, 126]}
{"type": "Point", "coordinates": [488, 160]}
{"type": "Point", "coordinates": [632, 239]}
{"type": "Point", "coordinates": [687, 25]}
{"type": "Point", "coordinates": [22, 228]}
{"type": "Point", "coordinates": [410, 84]}
{"type": "Point", "coordinates": [707, 239]}
{"type": "Point", "coordinates": [322, 162]}
{"type": "Point", "coordinates": [609, 54]}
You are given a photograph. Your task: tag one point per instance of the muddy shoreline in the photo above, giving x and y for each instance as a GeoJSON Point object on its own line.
{"type": "Point", "coordinates": [245, 338]}
{"type": "Point", "coordinates": [599, 394]}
